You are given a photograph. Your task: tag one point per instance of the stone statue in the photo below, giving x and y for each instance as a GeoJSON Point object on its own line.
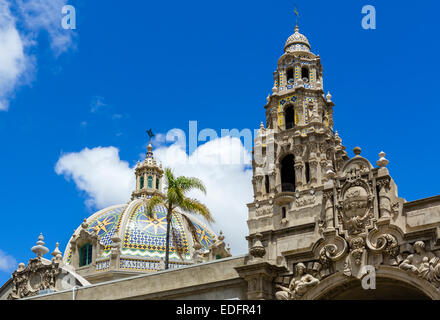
{"type": "Point", "coordinates": [422, 263]}
{"type": "Point", "coordinates": [298, 286]}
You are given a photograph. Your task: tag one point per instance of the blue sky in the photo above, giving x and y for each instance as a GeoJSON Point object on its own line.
{"type": "Point", "coordinates": [130, 66]}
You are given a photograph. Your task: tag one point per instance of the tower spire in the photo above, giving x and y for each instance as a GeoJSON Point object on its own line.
{"type": "Point", "coordinates": [296, 22]}
{"type": "Point", "coordinates": [150, 147]}
{"type": "Point", "coordinates": [148, 174]}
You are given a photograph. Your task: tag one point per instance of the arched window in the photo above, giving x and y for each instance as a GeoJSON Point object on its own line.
{"type": "Point", "coordinates": [289, 75]}
{"type": "Point", "coordinates": [150, 182]}
{"type": "Point", "coordinates": [305, 74]}
{"type": "Point", "coordinates": [85, 255]}
{"type": "Point", "coordinates": [141, 182]}
{"type": "Point", "coordinates": [307, 172]}
{"type": "Point", "coordinates": [157, 183]}
{"type": "Point", "coordinates": [288, 173]}
{"type": "Point", "coordinates": [283, 213]}
{"type": "Point", "coordinates": [289, 113]}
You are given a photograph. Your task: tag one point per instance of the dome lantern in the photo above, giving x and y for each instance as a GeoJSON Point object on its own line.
{"type": "Point", "coordinates": [148, 176]}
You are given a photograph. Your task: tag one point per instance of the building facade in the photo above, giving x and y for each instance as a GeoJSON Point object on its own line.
{"type": "Point", "coordinates": [322, 225]}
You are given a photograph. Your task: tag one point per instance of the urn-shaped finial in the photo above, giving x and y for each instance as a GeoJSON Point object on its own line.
{"type": "Point", "coordinates": [40, 250]}
{"type": "Point", "coordinates": [382, 162]}
{"type": "Point", "coordinates": [258, 251]}
{"type": "Point", "coordinates": [328, 96]}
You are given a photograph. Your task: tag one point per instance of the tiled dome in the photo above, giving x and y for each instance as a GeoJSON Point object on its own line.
{"type": "Point", "coordinates": [143, 237]}
{"type": "Point", "coordinates": [297, 42]}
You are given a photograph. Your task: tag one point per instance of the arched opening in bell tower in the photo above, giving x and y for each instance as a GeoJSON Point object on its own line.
{"type": "Point", "coordinates": [289, 114]}
{"type": "Point", "coordinates": [305, 74]}
{"type": "Point", "coordinates": [288, 173]}
{"type": "Point", "coordinates": [289, 75]}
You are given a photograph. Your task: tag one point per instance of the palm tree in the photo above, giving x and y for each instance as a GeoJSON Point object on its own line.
{"type": "Point", "coordinates": [175, 197]}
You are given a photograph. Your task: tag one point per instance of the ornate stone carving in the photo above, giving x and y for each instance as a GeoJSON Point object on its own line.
{"type": "Point", "coordinates": [357, 248]}
{"type": "Point", "coordinates": [388, 245]}
{"type": "Point", "coordinates": [263, 211]}
{"type": "Point", "coordinates": [35, 277]}
{"type": "Point", "coordinates": [384, 199]}
{"type": "Point", "coordinates": [298, 286]}
{"type": "Point", "coordinates": [356, 258]}
{"type": "Point", "coordinates": [327, 217]}
{"type": "Point", "coordinates": [423, 264]}
{"type": "Point", "coordinates": [257, 251]}
{"type": "Point", "coordinates": [298, 150]}
{"type": "Point", "coordinates": [305, 200]}
{"type": "Point", "coordinates": [333, 249]}
{"type": "Point", "coordinates": [356, 208]}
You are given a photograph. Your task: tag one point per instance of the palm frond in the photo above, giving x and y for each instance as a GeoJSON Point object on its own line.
{"type": "Point", "coordinates": [152, 203]}
{"type": "Point", "coordinates": [169, 177]}
{"type": "Point", "coordinates": [191, 227]}
{"type": "Point", "coordinates": [195, 206]}
{"type": "Point", "coordinates": [187, 184]}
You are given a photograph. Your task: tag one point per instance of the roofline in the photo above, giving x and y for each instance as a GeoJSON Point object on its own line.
{"type": "Point", "coordinates": [136, 277]}
{"type": "Point", "coordinates": [421, 201]}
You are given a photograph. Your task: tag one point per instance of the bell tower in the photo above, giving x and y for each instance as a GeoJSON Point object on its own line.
{"type": "Point", "coordinates": [148, 176]}
{"type": "Point", "coordinates": [297, 150]}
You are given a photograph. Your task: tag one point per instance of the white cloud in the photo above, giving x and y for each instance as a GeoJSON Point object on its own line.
{"type": "Point", "coordinates": [108, 180]}
{"type": "Point", "coordinates": [13, 61]}
{"type": "Point", "coordinates": [223, 165]}
{"type": "Point", "coordinates": [100, 173]}
{"type": "Point", "coordinates": [7, 262]}
{"type": "Point", "coordinates": [45, 15]}
{"type": "Point", "coordinates": [17, 65]}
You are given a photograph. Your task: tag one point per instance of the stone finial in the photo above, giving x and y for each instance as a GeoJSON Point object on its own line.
{"type": "Point", "coordinates": [274, 89]}
{"type": "Point", "coordinates": [382, 162]}
{"type": "Point", "coordinates": [357, 151]}
{"type": "Point", "coordinates": [258, 251]}
{"type": "Point", "coordinates": [56, 251]}
{"type": "Point", "coordinates": [268, 97]}
{"type": "Point", "coordinates": [329, 170]}
{"type": "Point", "coordinates": [328, 97]}
{"type": "Point", "coordinates": [318, 84]}
{"type": "Point", "coordinates": [84, 224]}
{"type": "Point", "coordinates": [57, 256]}
{"type": "Point", "coordinates": [21, 266]}
{"type": "Point", "coordinates": [221, 237]}
{"type": "Point", "coordinates": [197, 245]}
{"type": "Point", "coordinates": [40, 250]}
{"type": "Point", "coordinates": [337, 137]}
{"type": "Point", "coordinates": [261, 126]}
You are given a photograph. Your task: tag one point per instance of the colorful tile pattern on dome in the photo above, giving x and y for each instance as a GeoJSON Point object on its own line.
{"type": "Point", "coordinates": [297, 47]}
{"type": "Point", "coordinates": [205, 237]}
{"type": "Point", "coordinates": [146, 236]}
{"type": "Point", "coordinates": [106, 224]}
